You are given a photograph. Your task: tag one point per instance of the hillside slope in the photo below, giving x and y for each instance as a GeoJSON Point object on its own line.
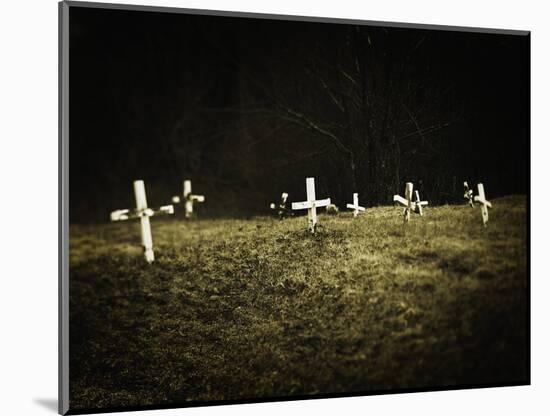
{"type": "Point", "coordinates": [236, 309]}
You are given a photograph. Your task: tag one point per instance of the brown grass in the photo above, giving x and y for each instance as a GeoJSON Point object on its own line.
{"type": "Point", "coordinates": [240, 309]}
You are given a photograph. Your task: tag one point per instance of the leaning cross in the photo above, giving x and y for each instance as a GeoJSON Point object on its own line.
{"type": "Point", "coordinates": [355, 206]}
{"type": "Point", "coordinates": [188, 197]}
{"type": "Point", "coordinates": [417, 205]}
{"type": "Point", "coordinates": [408, 203]}
{"type": "Point", "coordinates": [143, 213]}
{"type": "Point", "coordinates": [468, 194]}
{"type": "Point", "coordinates": [311, 204]}
{"type": "Point", "coordinates": [480, 199]}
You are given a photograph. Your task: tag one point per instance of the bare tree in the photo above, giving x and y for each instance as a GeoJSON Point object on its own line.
{"type": "Point", "coordinates": [366, 95]}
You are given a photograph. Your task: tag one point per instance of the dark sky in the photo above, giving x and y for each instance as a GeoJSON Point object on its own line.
{"type": "Point", "coordinates": [162, 96]}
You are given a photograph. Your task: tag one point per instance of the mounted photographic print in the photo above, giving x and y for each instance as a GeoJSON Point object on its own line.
{"type": "Point", "coordinates": [260, 207]}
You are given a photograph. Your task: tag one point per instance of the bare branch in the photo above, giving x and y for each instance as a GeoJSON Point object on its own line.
{"type": "Point", "coordinates": [327, 89]}
{"type": "Point", "coordinates": [346, 75]}
{"type": "Point", "coordinates": [316, 127]}
{"type": "Point", "coordinates": [426, 130]}
{"type": "Point", "coordinates": [413, 119]}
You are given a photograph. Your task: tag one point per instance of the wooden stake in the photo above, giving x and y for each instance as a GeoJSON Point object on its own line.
{"type": "Point", "coordinates": [146, 236]}
{"type": "Point", "coordinates": [408, 195]}
{"type": "Point", "coordinates": [311, 212]}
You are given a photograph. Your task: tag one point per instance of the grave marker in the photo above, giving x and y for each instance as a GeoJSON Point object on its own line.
{"type": "Point", "coordinates": [143, 213]}
{"type": "Point", "coordinates": [311, 204]}
{"type": "Point", "coordinates": [282, 209]}
{"type": "Point", "coordinates": [417, 206]}
{"type": "Point", "coordinates": [188, 198]}
{"type": "Point", "coordinates": [408, 203]}
{"type": "Point", "coordinates": [480, 199]}
{"type": "Point", "coordinates": [468, 194]}
{"type": "Point", "coordinates": [355, 206]}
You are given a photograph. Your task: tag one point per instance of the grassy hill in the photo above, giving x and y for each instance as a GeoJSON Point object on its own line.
{"type": "Point", "coordinates": [236, 309]}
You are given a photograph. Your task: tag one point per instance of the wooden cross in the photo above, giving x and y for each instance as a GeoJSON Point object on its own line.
{"type": "Point", "coordinates": [282, 208]}
{"type": "Point", "coordinates": [355, 206]}
{"type": "Point", "coordinates": [468, 194]}
{"type": "Point", "coordinates": [143, 213]}
{"type": "Point", "coordinates": [188, 197]}
{"type": "Point", "coordinates": [408, 203]}
{"type": "Point", "coordinates": [480, 199]}
{"type": "Point", "coordinates": [311, 204]}
{"type": "Point", "coordinates": [417, 205]}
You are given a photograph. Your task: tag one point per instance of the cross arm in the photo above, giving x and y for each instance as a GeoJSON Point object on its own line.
{"type": "Point", "coordinates": [127, 214]}
{"type": "Point", "coordinates": [198, 198]}
{"type": "Point", "coordinates": [311, 204]}
{"type": "Point", "coordinates": [480, 200]}
{"type": "Point", "coordinates": [120, 215]}
{"type": "Point", "coordinates": [302, 205]}
{"type": "Point", "coordinates": [322, 202]}
{"type": "Point", "coordinates": [401, 200]}
{"type": "Point", "coordinates": [164, 210]}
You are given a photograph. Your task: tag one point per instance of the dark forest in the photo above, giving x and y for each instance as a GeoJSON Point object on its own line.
{"type": "Point", "coordinates": [247, 108]}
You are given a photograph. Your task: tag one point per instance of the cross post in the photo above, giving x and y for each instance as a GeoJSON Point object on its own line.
{"type": "Point", "coordinates": [311, 204]}
{"type": "Point", "coordinates": [484, 204]}
{"type": "Point", "coordinates": [146, 236]}
{"type": "Point", "coordinates": [355, 206]}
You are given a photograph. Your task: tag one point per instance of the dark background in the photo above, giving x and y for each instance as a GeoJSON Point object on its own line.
{"type": "Point", "coordinates": [247, 108]}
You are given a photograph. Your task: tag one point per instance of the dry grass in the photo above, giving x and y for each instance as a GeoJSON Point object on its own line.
{"type": "Point", "coordinates": [237, 309]}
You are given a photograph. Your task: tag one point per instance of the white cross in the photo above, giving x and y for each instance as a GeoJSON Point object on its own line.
{"type": "Point", "coordinates": [188, 197]}
{"type": "Point", "coordinates": [143, 213]}
{"type": "Point", "coordinates": [480, 199]}
{"type": "Point", "coordinates": [355, 206]}
{"type": "Point", "coordinates": [417, 205]}
{"type": "Point", "coordinates": [468, 194]}
{"type": "Point", "coordinates": [311, 204]}
{"type": "Point", "coordinates": [408, 203]}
